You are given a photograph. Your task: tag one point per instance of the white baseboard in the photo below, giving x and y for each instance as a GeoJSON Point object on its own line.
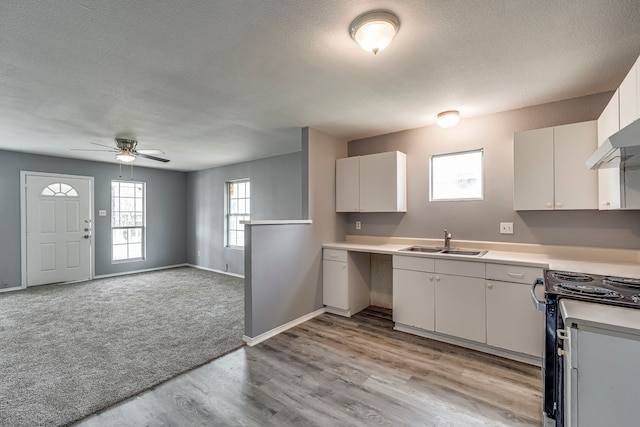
{"type": "Point", "coordinates": [124, 273]}
{"type": "Point", "coordinates": [272, 333]}
{"type": "Point", "coordinates": [13, 288]}
{"type": "Point", "coordinates": [214, 270]}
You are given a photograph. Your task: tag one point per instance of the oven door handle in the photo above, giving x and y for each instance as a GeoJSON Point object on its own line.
{"type": "Point", "coordinates": [536, 302]}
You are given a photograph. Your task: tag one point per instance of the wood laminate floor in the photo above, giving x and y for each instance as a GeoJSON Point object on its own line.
{"type": "Point", "coordinates": [336, 371]}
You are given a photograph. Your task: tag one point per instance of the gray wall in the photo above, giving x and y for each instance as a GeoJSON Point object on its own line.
{"type": "Point", "coordinates": [276, 193]}
{"type": "Point", "coordinates": [166, 219]}
{"type": "Point", "coordinates": [479, 220]}
{"type": "Point", "coordinates": [283, 279]}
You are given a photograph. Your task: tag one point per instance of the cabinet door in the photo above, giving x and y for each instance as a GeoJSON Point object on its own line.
{"type": "Point", "coordinates": [513, 323]}
{"type": "Point", "coordinates": [383, 182]}
{"type": "Point", "coordinates": [629, 97]}
{"type": "Point", "coordinates": [533, 170]}
{"type": "Point", "coordinates": [413, 298]}
{"type": "Point", "coordinates": [609, 178]}
{"type": "Point", "coordinates": [348, 184]}
{"type": "Point", "coordinates": [460, 307]}
{"type": "Point", "coordinates": [335, 289]}
{"type": "Point", "coordinates": [576, 187]}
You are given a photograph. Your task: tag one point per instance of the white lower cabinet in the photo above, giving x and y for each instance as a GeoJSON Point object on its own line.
{"type": "Point", "coordinates": [486, 303]}
{"type": "Point", "coordinates": [460, 307]}
{"type": "Point", "coordinates": [345, 281]}
{"type": "Point", "coordinates": [413, 298]}
{"type": "Point", "coordinates": [513, 323]}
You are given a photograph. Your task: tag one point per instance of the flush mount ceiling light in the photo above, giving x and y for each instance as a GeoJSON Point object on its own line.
{"type": "Point", "coordinates": [374, 30]}
{"type": "Point", "coordinates": [448, 119]}
{"type": "Point", "coordinates": [125, 156]}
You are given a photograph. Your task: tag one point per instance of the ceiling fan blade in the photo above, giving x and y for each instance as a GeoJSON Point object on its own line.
{"type": "Point", "coordinates": [159, 159]}
{"type": "Point", "coordinates": [150, 151]}
{"type": "Point", "coordinates": [89, 149]}
{"type": "Point", "coordinates": [102, 145]}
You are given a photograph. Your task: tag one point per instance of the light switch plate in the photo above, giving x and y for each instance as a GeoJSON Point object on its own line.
{"type": "Point", "coordinates": [102, 212]}
{"type": "Point", "coordinates": [506, 228]}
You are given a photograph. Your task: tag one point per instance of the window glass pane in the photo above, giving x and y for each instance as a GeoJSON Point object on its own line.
{"type": "Point", "coordinates": [135, 250]}
{"type": "Point", "coordinates": [48, 192]}
{"type": "Point", "coordinates": [119, 252]}
{"type": "Point", "coordinates": [241, 206]}
{"type": "Point", "coordinates": [232, 238]}
{"type": "Point", "coordinates": [119, 236]}
{"type": "Point", "coordinates": [240, 238]}
{"type": "Point", "coordinates": [72, 192]}
{"type": "Point", "coordinates": [115, 189]}
{"type": "Point", "coordinates": [233, 206]}
{"type": "Point", "coordinates": [247, 189]}
{"type": "Point", "coordinates": [457, 176]}
{"type": "Point", "coordinates": [248, 206]}
{"type": "Point", "coordinates": [241, 187]}
{"type": "Point", "coordinates": [135, 235]}
{"type": "Point", "coordinates": [126, 190]}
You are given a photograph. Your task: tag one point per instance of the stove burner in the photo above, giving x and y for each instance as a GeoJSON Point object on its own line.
{"type": "Point", "coordinates": [624, 282]}
{"type": "Point", "coordinates": [571, 277]}
{"type": "Point", "coordinates": [587, 290]}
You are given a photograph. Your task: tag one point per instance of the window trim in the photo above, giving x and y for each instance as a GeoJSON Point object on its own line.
{"type": "Point", "coordinates": [454, 153]}
{"type": "Point", "coordinates": [143, 228]}
{"type": "Point", "coordinates": [228, 214]}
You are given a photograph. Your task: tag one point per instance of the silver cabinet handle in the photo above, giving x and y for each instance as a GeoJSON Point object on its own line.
{"type": "Point", "coordinates": [539, 305]}
{"type": "Point", "coordinates": [516, 275]}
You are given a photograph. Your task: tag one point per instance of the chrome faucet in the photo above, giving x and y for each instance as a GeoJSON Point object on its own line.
{"type": "Point", "coordinates": [447, 239]}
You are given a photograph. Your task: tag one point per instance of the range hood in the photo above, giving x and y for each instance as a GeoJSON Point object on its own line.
{"type": "Point", "coordinates": [620, 150]}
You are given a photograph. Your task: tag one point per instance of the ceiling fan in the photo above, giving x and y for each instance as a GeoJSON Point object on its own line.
{"type": "Point", "coordinates": [126, 151]}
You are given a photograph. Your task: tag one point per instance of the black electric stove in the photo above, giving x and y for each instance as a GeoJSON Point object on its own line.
{"type": "Point", "coordinates": [613, 290]}
{"type": "Point", "coordinates": [594, 288]}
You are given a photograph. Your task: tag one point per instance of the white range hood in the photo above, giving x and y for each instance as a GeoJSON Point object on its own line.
{"type": "Point", "coordinates": [620, 150]}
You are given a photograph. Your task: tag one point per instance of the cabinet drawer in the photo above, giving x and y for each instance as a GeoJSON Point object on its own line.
{"type": "Point", "coordinates": [334, 255]}
{"type": "Point", "coordinates": [413, 263]}
{"type": "Point", "coordinates": [513, 273]}
{"type": "Point", "coordinates": [460, 268]}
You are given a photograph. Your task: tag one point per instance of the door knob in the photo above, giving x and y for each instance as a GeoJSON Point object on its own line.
{"type": "Point", "coordinates": [87, 229]}
{"type": "Point", "coordinates": [86, 236]}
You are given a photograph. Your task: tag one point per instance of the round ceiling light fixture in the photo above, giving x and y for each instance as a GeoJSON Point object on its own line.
{"type": "Point", "coordinates": [126, 156]}
{"type": "Point", "coordinates": [448, 119]}
{"type": "Point", "coordinates": [374, 30]}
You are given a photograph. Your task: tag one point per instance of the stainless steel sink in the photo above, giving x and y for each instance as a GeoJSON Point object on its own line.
{"type": "Point", "coordinates": [425, 249]}
{"type": "Point", "coordinates": [468, 252]}
{"type": "Point", "coordinates": [443, 251]}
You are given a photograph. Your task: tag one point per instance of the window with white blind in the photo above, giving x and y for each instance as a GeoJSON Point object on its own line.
{"type": "Point", "coordinates": [127, 220]}
{"type": "Point", "coordinates": [238, 209]}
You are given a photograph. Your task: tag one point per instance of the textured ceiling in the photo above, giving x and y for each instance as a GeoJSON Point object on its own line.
{"type": "Point", "coordinates": [218, 82]}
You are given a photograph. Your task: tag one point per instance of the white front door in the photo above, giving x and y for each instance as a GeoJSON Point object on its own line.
{"type": "Point", "coordinates": [58, 228]}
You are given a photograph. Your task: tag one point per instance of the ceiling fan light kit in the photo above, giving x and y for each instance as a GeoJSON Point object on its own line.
{"type": "Point", "coordinates": [125, 157]}
{"type": "Point", "coordinates": [374, 30]}
{"type": "Point", "coordinates": [448, 119]}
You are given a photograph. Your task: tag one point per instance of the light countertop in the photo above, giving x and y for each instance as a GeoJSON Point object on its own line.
{"type": "Point", "coordinates": [615, 262]}
{"type": "Point", "coordinates": [601, 316]}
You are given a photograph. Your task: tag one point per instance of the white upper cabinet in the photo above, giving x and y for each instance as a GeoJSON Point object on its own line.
{"type": "Point", "coordinates": [550, 171]}
{"type": "Point", "coordinates": [630, 97]}
{"type": "Point", "coordinates": [372, 183]}
{"type": "Point", "coordinates": [348, 184]}
{"type": "Point", "coordinates": [609, 178]}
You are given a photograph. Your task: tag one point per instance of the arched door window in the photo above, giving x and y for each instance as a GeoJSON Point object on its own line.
{"type": "Point", "coordinates": [59, 189]}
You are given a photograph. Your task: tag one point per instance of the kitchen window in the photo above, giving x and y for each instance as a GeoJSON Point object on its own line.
{"type": "Point", "coordinates": [127, 220]}
{"type": "Point", "coordinates": [457, 176]}
{"type": "Point", "coordinates": [238, 209]}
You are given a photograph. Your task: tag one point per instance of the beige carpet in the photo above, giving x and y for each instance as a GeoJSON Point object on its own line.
{"type": "Point", "coordinates": [67, 351]}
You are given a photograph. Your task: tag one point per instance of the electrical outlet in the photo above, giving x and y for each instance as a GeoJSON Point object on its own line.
{"type": "Point", "coordinates": [102, 212]}
{"type": "Point", "coordinates": [506, 228]}
{"type": "Point", "coordinates": [358, 225]}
